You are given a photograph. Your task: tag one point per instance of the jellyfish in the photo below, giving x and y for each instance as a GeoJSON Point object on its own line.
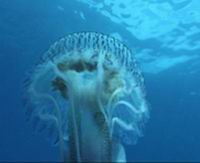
{"type": "Point", "coordinates": [87, 94]}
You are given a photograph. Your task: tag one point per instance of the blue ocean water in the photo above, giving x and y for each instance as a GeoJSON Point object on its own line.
{"type": "Point", "coordinates": [165, 38]}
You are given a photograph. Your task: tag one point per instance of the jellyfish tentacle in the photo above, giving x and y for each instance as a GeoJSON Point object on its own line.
{"type": "Point", "coordinates": [58, 119]}
{"type": "Point", "coordinates": [100, 75]}
{"type": "Point", "coordinates": [109, 105]}
{"type": "Point", "coordinates": [75, 128]}
{"type": "Point", "coordinates": [121, 123]}
{"type": "Point", "coordinates": [73, 109]}
{"type": "Point", "coordinates": [121, 91]}
{"type": "Point", "coordinates": [127, 104]}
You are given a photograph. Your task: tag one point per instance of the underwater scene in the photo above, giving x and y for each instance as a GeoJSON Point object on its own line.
{"type": "Point", "coordinates": [99, 80]}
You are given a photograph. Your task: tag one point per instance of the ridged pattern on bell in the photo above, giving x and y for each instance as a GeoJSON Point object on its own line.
{"type": "Point", "coordinates": [96, 42]}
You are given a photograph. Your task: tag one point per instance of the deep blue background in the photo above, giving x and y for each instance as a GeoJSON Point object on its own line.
{"type": "Point", "coordinates": [28, 28]}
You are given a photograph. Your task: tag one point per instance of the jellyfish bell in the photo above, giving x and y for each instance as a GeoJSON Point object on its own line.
{"type": "Point", "coordinates": [88, 94]}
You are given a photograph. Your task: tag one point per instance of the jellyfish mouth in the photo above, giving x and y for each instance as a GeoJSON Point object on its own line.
{"type": "Point", "coordinates": [88, 86]}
